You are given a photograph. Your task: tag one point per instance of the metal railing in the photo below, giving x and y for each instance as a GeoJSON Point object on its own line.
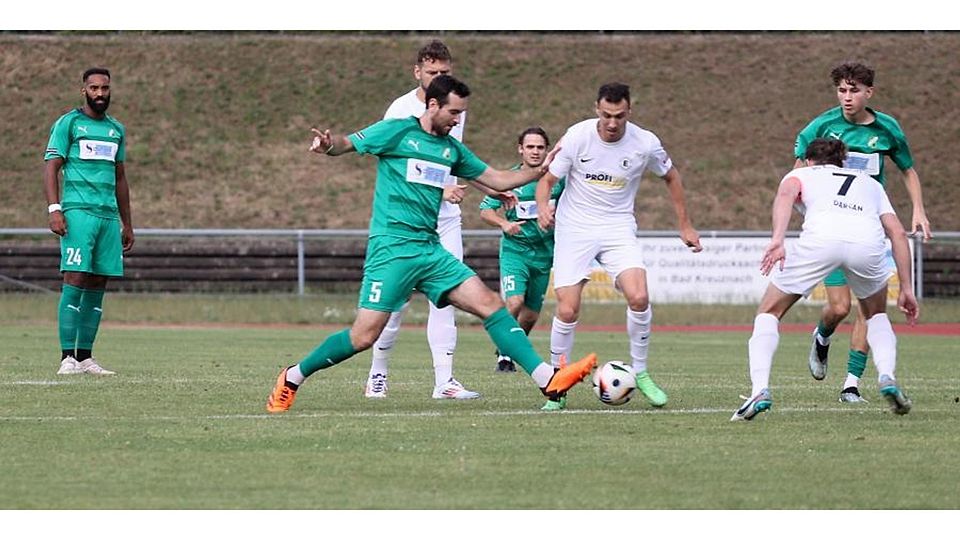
{"type": "Point", "coordinates": [301, 235]}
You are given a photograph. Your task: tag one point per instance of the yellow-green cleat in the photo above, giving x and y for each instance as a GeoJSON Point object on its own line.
{"type": "Point", "coordinates": [552, 405]}
{"type": "Point", "coordinates": [653, 393]}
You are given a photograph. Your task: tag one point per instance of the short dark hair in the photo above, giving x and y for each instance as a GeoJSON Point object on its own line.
{"type": "Point", "coordinates": [435, 50]}
{"type": "Point", "coordinates": [533, 130]}
{"type": "Point", "coordinates": [852, 72]}
{"type": "Point", "coordinates": [826, 152]}
{"type": "Point", "coordinates": [95, 71]}
{"type": "Point", "coordinates": [614, 93]}
{"type": "Point", "coordinates": [442, 85]}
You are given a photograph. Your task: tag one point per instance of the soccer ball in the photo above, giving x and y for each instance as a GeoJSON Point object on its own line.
{"type": "Point", "coordinates": [614, 383]}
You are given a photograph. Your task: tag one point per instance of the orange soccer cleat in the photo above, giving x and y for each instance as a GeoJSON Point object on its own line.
{"type": "Point", "coordinates": [282, 396]}
{"type": "Point", "coordinates": [569, 375]}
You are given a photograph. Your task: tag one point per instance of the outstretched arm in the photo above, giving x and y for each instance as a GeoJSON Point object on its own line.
{"type": "Point", "coordinates": [326, 143]}
{"type": "Point", "coordinates": [688, 234]}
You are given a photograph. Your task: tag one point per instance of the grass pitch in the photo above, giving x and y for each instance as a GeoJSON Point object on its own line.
{"type": "Point", "coordinates": [183, 426]}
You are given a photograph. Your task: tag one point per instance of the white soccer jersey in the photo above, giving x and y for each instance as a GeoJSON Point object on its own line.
{"type": "Point", "coordinates": [410, 105]}
{"type": "Point", "coordinates": [602, 178]}
{"type": "Point", "coordinates": [841, 204]}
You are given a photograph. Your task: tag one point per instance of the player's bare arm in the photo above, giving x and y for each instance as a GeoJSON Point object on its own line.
{"type": "Point", "coordinates": [507, 180]}
{"type": "Point", "coordinates": [508, 198]}
{"type": "Point", "coordinates": [689, 235]}
{"type": "Point", "coordinates": [123, 205]}
{"type": "Point", "coordinates": [906, 302]}
{"type": "Point", "coordinates": [782, 207]}
{"type": "Point", "coordinates": [492, 217]}
{"type": "Point", "coordinates": [51, 185]}
{"type": "Point", "coordinates": [545, 212]}
{"type": "Point", "coordinates": [919, 224]}
{"type": "Point", "coordinates": [454, 193]}
{"type": "Point", "coordinates": [327, 143]}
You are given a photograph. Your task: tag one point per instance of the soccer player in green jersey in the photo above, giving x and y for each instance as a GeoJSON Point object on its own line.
{"type": "Point", "coordinates": [870, 136]}
{"type": "Point", "coordinates": [415, 157]}
{"type": "Point", "coordinates": [92, 217]}
{"type": "Point", "coordinates": [526, 250]}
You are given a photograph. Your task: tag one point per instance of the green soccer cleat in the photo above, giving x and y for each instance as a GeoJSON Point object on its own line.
{"type": "Point", "coordinates": [552, 405]}
{"type": "Point", "coordinates": [653, 393]}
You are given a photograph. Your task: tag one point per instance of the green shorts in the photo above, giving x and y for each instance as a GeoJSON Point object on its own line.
{"type": "Point", "coordinates": [395, 267]}
{"type": "Point", "coordinates": [92, 245]}
{"type": "Point", "coordinates": [521, 275]}
{"type": "Point", "coordinates": [835, 279]}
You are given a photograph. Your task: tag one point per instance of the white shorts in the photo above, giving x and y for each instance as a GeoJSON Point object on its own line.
{"type": "Point", "coordinates": [450, 230]}
{"type": "Point", "coordinates": [809, 261]}
{"type": "Point", "coordinates": [575, 251]}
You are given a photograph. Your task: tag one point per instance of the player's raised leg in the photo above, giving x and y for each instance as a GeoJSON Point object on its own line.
{"type": "Point", "coordinates": [474, 297]}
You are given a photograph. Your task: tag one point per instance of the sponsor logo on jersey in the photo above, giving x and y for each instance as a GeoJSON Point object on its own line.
{"type": "Point", "coordinates": [584, 160]}
{"type": "Point", "coordinates": [604, 180]}
{"type": "Point", "coordinates": [527, 210]}
{"type": "Point", "coordinates": [427, 173]}
{"type": "Point", "coordinates": [97, 150]}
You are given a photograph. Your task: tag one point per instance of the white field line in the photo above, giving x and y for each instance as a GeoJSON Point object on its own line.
{"type": "Point", "coordinates": [434, 414]}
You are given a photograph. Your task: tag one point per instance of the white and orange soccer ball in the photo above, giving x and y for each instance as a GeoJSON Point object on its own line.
{"type": "Point", "coordinates": [614, 383]}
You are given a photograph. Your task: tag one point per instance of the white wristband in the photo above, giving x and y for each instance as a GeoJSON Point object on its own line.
{"type": "Point", "coordinates": [55, 207]}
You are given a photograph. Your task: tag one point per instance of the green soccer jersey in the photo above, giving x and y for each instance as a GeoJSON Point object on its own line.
{"type": "Point", "coordinates": [90, 150]}
{"type": "Point", "coordinates": [866, 144]}
{"type": "Point", "coordinates": [531, 237]}
{"type": "Point", "coordinates": [413, 166]}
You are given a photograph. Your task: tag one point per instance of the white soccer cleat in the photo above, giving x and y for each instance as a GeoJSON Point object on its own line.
{"type": "Point", "coordinates": [753, 406]}
{"type": "Point", "coordinates": [91, 366]}
{"type": "Point", "coordinates": [376, 386]}
{"type": "Point", "coordinates": [452, 389]}
{"type": "Point", "coordinates": [68, 366]}
{"type": "Point", "coordinates": [817, 361]}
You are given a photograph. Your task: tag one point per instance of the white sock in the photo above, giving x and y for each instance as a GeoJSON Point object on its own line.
{"type": "Point", "coordinates": [295, 376]}
{"type": "Point", "coordinates": [383, 347]}
{"type": "Point", "coordinates": [762, 346]}
{"type": "Point", "coordinates": [542, 374]}
{"type": "Point", "coordinates": [883, 343]}
{"type": "Point", "coordinates": [561, 340]}
{"type": "Point", "coordinates": [442, 337]}
{"type": "Point", "coordinates": [851, 380]}
{"type": "Point", "coordinates": [638, 330]}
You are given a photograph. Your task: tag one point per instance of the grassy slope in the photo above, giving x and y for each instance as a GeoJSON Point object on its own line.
{"type": "Point", "coordinates": [218, 124]}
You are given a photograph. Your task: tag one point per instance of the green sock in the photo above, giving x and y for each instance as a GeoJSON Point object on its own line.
{"type": "Point", "coordinates": [511, 340]}
{"type": "Point", "coordinates": [68, 316]}
{"type": "Point", "coordinates": [335, 349]}
{"type": "Point", "coordinates": [90, 312]}
{"type": "Point", "coordinates": [856, 363]}
{"type": "Point", "coordinates": [822, 330]}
